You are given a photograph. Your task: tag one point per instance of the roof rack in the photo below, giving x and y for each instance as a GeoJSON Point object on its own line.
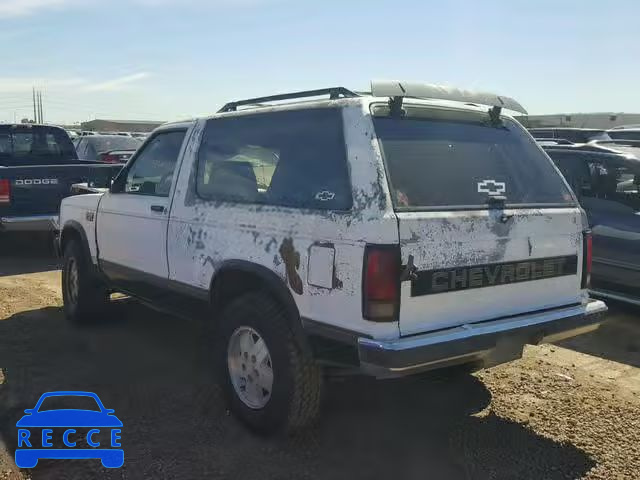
{"type": "Point", "coordinates": [334, 93]}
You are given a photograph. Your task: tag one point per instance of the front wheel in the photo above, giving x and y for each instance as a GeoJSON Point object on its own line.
{"type": "Point", "coordinates": [84, 296]}
{"type": "Point", "coordinates": [269, 382]}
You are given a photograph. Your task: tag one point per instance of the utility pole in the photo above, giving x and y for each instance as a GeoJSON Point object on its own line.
{"type": "Point", "coordinates": [40, 119]}
{"type": "Point", "coordinates": [33, 91]}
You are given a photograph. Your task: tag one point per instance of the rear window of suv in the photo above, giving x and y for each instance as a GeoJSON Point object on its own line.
{"type": "Point", "coordinates": [437, 163]}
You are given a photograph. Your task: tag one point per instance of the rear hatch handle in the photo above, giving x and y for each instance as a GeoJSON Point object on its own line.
{"type": "Point", "coordinates": [498, 202]}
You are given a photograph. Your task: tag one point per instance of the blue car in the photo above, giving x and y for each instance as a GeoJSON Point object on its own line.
{"type": "Point", "coordinates": [33, 446]}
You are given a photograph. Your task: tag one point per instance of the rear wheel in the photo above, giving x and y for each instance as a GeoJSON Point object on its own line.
{"type": "Point", "coordinates": [84, 296]}
{"type": "Point", "coordinates": [269, 382]}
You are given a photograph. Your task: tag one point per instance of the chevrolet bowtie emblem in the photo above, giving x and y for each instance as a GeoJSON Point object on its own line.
{"type": "Point", "coordinates": [491, 187]}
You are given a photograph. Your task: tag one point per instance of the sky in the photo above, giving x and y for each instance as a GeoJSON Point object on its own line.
{"type": "Point", "coordinates": [176, 59]}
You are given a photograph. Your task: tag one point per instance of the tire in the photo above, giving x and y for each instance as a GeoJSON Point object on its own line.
{"type": "Point", "coordinates": [293, 402]}
{"type": "Point", "coordinates": [86, 299]}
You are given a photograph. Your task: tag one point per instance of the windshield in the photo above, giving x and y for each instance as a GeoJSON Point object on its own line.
{"type": "Point", "coordinates": [442, 163]}
{"type": "Point", "coordinates": [115, 142]}
{"type": "Point", "coordinates": [65, 402]}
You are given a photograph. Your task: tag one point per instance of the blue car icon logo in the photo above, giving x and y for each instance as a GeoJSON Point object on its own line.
{"type": "Point", "coordinates": [92, 432]}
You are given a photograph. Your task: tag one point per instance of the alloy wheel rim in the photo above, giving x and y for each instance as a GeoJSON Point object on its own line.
{"type": "Point", "coordinates": [250, 367]}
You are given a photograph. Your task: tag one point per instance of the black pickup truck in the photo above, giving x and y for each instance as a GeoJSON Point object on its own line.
{"type": "Point", "coordinates": [38, 165]}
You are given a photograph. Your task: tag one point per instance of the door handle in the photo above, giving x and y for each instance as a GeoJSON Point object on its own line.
{"type": "Point", "coordinates": [157, 208]}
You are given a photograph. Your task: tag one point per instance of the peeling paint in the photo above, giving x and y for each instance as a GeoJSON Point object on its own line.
{"type": "Point", "coordinates": [337, 283]}
{"type": "Point", "coordinates": [210, 261]}
{"type": "Point", "coordinates": [271, 243]}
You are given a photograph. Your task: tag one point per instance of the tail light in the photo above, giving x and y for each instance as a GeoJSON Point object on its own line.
{"type": "Point", "coordinates": [381, 283]}
{"type": "Point", "coordinates": [5, 192]}
{"type": "Point", "coordinates": [108, 158]}
{"type": "Point", "coordinates": [587, 250]}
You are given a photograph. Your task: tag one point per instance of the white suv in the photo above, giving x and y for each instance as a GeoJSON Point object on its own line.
{"type": "Point", "coordinates": [394, 232]}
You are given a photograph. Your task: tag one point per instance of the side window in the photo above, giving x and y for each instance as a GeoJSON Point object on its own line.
{"type": "Point", "coordinates": [615, 183]}
{"type": "Point", "coordinates": [575, 169]}
{"type": "Point", "coordinates": [152, 170]}
{"type": "Point", "coordinates": [293, 158]}
{"type": "Point", "coordinates": [573, 136]}
{"type": "Point", "coordinates": [81, 145]}
{"type": "Point", "coordinates": [91, 152]}
{"type": "Point", "coordinates": [542, 134]}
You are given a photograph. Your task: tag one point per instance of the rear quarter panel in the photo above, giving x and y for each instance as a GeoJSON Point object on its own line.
{"type": "Point", "coordinates": [318, 255]}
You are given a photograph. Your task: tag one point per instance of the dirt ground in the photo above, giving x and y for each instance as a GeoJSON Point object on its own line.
{"type": "Point", "coordinates": [562, 412]}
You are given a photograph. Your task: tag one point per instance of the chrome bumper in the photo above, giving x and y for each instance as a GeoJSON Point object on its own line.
{"type": "Point", "coordinates": [32, 223]}
{"type": "Point", "coordinates": [485, 343]}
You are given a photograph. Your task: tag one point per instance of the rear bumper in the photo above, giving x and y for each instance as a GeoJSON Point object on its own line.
{"type": "Point", "coordinates": [486, 343]}
{"type": "Point", "coordinates": [31, 223]}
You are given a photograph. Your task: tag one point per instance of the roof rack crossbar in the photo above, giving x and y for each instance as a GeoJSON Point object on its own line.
{"type": "Point", "coordinates": [334, 93]}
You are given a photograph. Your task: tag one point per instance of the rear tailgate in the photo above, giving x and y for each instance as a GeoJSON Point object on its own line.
{"type": "Point", "coordinates": [486, 221]}
{"type": "Point", "coordinates": [39, 189]}
{"type": "Point", "coordinates": [473, 266]}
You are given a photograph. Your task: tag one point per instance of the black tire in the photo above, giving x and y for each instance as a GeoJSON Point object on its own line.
{"type": "Point", "coordinates": [295, 397]}
{"type": "Point", "coordinates": [91, 298]}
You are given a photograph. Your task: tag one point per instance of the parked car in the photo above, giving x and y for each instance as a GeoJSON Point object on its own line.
{"type": "Point", "coordinates": [631, 147]}
{"type": "Point", "coordinates": [38, 165]}
{"type": "Point", "coordinates": [106, 148]}
{"type": "Point", "coordinates": [625, 132]}
{"type": "Point", "coordinates": [607, 183]}
{"type": "Point", "coordinates": [574, 135]}
{"type": "Point", "coordinates": [327, 233]}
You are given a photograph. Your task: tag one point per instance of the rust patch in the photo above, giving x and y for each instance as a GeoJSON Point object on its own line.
{"type": "Point", "coordinates": [291, 260]}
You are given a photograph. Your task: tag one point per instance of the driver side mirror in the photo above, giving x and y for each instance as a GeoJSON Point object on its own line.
{"type": "Point", "coordinates": [118, 183]}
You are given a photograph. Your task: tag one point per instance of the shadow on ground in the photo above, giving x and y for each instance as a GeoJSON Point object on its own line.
{"type": "Point", "coordinates": [617, 339]}
{"type": "Point", "coordinates": [26, 253]}
{"type": "Point", "coordinates": [149, 368]}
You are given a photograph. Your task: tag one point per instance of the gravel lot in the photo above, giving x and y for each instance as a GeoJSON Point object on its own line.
{"type": "Point", "coordinates": [562, 412]}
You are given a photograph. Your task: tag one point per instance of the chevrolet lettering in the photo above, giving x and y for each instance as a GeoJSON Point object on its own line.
{"type": "Point", "coordinates": [479, 276]}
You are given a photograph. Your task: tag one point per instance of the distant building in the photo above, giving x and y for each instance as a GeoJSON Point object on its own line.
{"type": "Point", "coordinates": [580, 120]}
{"type": "Point", "coordinates": [120, 125]}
